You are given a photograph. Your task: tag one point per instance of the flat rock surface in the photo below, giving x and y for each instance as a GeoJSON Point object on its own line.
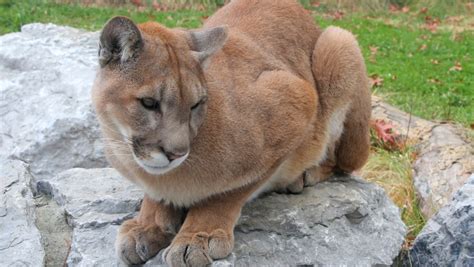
{"type": "Point", "coordinates": [93, 198]}
{"type": "Point", "coordinates": [448, 238]}
{"type": "Point", "coordinates": [94, 247]}
{"type": "Point", "coordinates": [20, 240]}
{"type": "Point", "coordinates": [46, 73]}
{"type": "Point", "coordinates": [334, 222]}
{"type": "Point", "coordinates": [445, 155]}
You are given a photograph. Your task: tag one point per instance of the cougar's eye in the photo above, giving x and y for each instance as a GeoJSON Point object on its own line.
{"type": "Point", "coordinates": [150, 103]}
{"type": "Point", "coordinates": [196, 105]}
{"type": "Point", "coordinates": [203, 100]}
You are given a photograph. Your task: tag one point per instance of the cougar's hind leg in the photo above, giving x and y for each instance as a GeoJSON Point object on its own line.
{"type": "Point", "coordinates": [343, 88]}
{"type": "Point", "coordinates": [354, 144]}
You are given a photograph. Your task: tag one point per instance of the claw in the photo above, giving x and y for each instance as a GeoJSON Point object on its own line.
{"type": "Point", "coordinates": [198, 249]}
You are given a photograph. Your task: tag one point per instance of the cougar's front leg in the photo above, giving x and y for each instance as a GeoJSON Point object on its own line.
{"type": "Point", "coordinates": [208, 230]}
{"type": "Point", "coordinates": [141, 238]}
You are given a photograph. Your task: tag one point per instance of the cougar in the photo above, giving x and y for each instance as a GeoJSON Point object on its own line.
{"type": "Point", "coordinates": [259, 99]}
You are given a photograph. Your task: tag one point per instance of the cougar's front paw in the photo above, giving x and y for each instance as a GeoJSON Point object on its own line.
{"type": "Point", "coordinates": [199, 249]}
{"type": "Point", "coordinates": [137, 243]}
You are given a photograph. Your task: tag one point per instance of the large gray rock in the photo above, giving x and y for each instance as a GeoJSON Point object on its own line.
{"type": "Point", "coordinates": [20, 240]}
{"type": "Point", "coordinates": [448, 238]}
{"type": "Point", "coordinates": [46, 73]}
{"type": "Point", "coordinates": [338, 222]}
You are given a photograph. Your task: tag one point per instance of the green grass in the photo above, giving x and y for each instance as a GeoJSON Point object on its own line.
{"type": "Point", "coordinates": [13, 14]}
{"type": "Point", "coordinates": [417, 79]}
{"type": "Point", "coordinates": [392, 171]}
{"type": "Point", "coordinates": [438, 8]}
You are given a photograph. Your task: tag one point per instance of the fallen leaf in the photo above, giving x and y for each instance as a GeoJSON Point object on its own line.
{"type": "Point", "coordinates": [423, 10]}
{"type": "Point", "coordinates": [373, 50]}
{"type": "Point", "coordinates": [201, 7]}
{"type": "Point", "coordinates": [457, 67]}
{"type": "Point", "coordinates": [338, 15]}
{"type": "Point", "coordinates": [156, 5]}
{"type": "Point", "coordinates": [386, 135]}
{"type": "Point", "coordinates": [431, 24]}
{"type": "Point", "coordinates": [434, 81]}
{"type": "Point", "coordinates": [425, 37]}
{"type": "Point", "coordinates": [405, 9]}
{"type": "Point", "coordinates": [393, 8]}
{"type": "Point", "coordinates": [376, 81]}
{"type": "Point", "coordinates": [434, 61]}
{"type": "Point", "coordinates": [373, 53]}
{"type": "Point", "coordinates": [432, 27]}
{"type": "Point", "coordinates": [137, 2]}
{"type": "Point", "coordinates": [316, 4]}
{"type": "Point", "coordinates": [423, 47]}
{"type": "Point", "coordinates": [384, 130]}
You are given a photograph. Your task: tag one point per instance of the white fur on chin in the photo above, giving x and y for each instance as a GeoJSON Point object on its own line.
{"type": "Point", "coordinates": [159, 164]}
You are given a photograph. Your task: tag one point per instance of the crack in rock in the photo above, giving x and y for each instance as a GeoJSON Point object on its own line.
{"type": "Point", "coordinates": [20, 243]}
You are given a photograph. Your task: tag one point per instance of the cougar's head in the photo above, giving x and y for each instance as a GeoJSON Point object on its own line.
{"type": "Point", "coordinates": [150, 94]}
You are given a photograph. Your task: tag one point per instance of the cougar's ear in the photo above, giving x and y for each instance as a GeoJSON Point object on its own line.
{"type": "Point", "coordinates": [120, 40]}
{"type": "Point", "coordinates": [206, 42]}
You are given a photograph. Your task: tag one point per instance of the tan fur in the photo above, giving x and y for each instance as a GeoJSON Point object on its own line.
{"type": "Point", "coordinates": [280, 97]}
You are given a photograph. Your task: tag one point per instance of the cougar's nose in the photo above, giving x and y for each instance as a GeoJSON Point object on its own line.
{"type": "Point", "coordinates": [172, 156]}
